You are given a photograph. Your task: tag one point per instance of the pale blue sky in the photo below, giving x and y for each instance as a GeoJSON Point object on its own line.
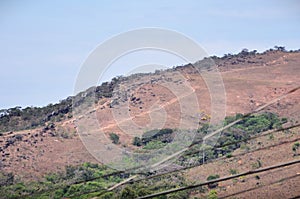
{"type": "Point", "coordinates": [44, 43]}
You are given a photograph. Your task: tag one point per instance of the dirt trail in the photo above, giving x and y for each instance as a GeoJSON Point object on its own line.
{"type": "Point", "coordinates": [172, 101]}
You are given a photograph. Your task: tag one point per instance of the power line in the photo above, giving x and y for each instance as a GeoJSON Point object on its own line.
{"type": "Point", "coordinates": [185, 168]}
{"type": "Point", "coordinates": [212, 134]}
{"type": "Point", "coordinates": [259, 187]}
{"type": "Point", "coordinates": [81, 181]}
{"type": "Point", "coordinates": [131, 180]}
{"type": "Point", "coordinates": [269, 132]}
{"type": "Point", "coordinates": [187, 148]}
{"type": "Point", "coordinates": [252, 112]}
{"type": "Point", "coordinates": [260, 170]}
{"type": "Point", "coordinates": [216, 132]}
{"type": "Point", "coordinates": [296, 197]}
{"type": "Point", "coordinates": [193, 166]}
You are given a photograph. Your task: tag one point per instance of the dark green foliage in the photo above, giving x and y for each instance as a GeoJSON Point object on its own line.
{"type": "Point", "coordinates": [128, 192]}
{"type": "Point", "coordinates": [257, 164]}
{"type": "Point", "coordinates": [295, 147]}
{"type": "Point", "coordinates": [212, 177]}
{"type": "Point", "coordinates": [178, 195]}
{"type": "Point", "coordinates": [59, 183]}
{"type": "Point", "coordinates": [154, 139]}
{"type": "Point", "coordinates": [150, 140]}
{"type": "Point", "coordinates": [204, 129]}
{"type": "Point", "coordinates": [155, 144]}
{"type": "Point", "coordinates": [143, 191]}
{"type": "Point", "coordinates": [16, 118]}
{"type": "Point", "coordinates": [259, 123]}
{"type": "Point", "coordinates": [231, 138]}
{"type": "Point", "coordinates": [114, 137]}
{"type": "Point", "coordinates": [233, 171]}
{"type": "Point", "coordinates": [137, 141]}
{"type": "Point", "coordinates": [53, 178]}
{"type": "Point", "coordinates": [228, 155]}
{"type": "Point", "coordinates": [163, 135]}
{"type": "Point", "coordinates": [155, 185]}
{"type": "Point", "coordinates": [108, 195]}
{"type": "Point", "coordinates": [271, 137]}
{"type": "Point", "coordinates": [284, 120]}
{"type": "Point", "coordinates": [212, 194]}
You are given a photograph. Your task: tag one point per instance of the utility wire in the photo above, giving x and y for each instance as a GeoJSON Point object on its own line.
{"type": "Point", "coordinates": [59, 186]}
{"type": "Point", "coordinates": [250, 172]}
{"type": "Point", "coordinates": [193, 166]}
{"type": "Point", "coordinates": [131, 180]}
{"type": "Point", "coordinates": [187, 148]}
{"type": "Point", "coordinates": [261, 186]}
{"type": "Point", "coordinates": [262, 134]}
{"type": "Point", "coordinates": [197, 165]}
{"type": "Point", "coordinates": [212, 134]}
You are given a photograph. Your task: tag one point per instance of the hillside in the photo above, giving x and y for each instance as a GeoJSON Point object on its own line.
{"type": "Point", "coordinates": [46, 140]}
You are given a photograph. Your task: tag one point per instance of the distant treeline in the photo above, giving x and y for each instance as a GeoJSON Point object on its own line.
{"type": "Point", "coordinates": [18, 118]}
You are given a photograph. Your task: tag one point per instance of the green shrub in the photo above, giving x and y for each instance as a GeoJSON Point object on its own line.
{"type": "Point", "coordinates": [212, 194]}
{"type": "Point", "coordinates": [295, 147]}
{"type": "Point", "coordinates": [233, 171]}
{"type": "Point", "coordinates": [164, 135]}
{"type": "Point", "coordinates": [259, 123]}
{"type": "Point", "coordinates": [143, 191]}
{"type": "Point", "coordinates": [53, 178]}
{"type": "Point", "coordinates": [108, 195]}
{"type": "Point", "coordinates": [137, 141]}
{"type": "Point", "coordinates": [212, 177]}
{"type": "Point", "coordinates": [179, 195]}
{"type": "Point", "coordinates": [204, 129]}
{"type": "Point", "coordinates": [154, 145]}
{"type": "Point", "coordinates": [228, 155]}
{"type": "Point", "coordinates": [128, 193]}
{"type": "Point", "coordinates": [114, 137]}
{"type": "Point", "coordinates": [257, 164]}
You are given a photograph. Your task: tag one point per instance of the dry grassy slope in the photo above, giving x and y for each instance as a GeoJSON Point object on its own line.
{"type": "Point", "coordinates": [248, 85]}
{"type": "Point", "coordinates": [268, 151]}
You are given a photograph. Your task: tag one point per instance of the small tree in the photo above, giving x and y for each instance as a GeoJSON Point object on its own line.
{"type": "Point", "coordinates": [128, 192]}
{"type": "Point", "coordinates": [280, 48]}
{"type": "Point", "coordinates": [295, 147]}
{"type": "Point", "coordinates": [137, 141]}
{"type": "Point", "coordinates": [114, 137]}
{"type": "Point", "coordinates": [212, 194]}
{"type": "Point", "coordinates": [257, 164]}
{"type": "Point", "coordinates": [245, 51]}
{"type": "Point", "coordinates": [233, 171]}
{"type": "Point", "coordinates": [108, 195]}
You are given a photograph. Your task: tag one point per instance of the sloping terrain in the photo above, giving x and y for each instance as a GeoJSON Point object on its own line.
{"type": "Point", "coordinates": [265, 151]}
{"type": "Point", "coordinates": [250, 81]}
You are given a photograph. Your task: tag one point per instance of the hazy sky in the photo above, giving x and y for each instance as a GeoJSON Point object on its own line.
{"type": "Point", "coordinates": [44, 43]}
